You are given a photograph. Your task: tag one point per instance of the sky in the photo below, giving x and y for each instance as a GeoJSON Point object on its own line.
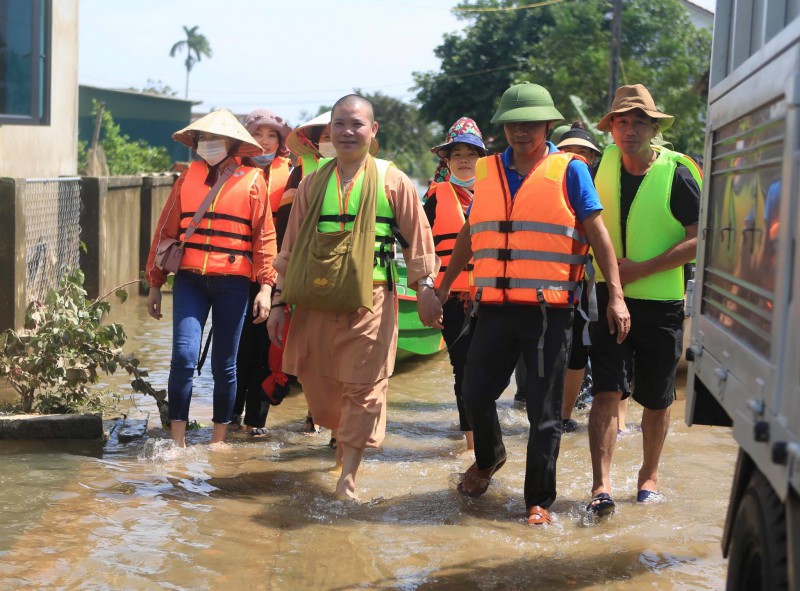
{"type": "Point", "coordinates": [288, 56]}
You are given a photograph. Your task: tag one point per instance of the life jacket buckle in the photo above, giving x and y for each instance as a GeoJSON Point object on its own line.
{"type": "Point", "coordinates": [505, 226]}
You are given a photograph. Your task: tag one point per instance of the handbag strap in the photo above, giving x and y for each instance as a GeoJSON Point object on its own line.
{"type": "Point", "coordinates": [212, 194]}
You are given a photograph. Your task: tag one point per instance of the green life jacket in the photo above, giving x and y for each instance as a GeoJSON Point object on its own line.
{"type": "Point", "coordinates": [333, 218]}
{"type": "Point", "coordinates": [651, 228]}
{"type": "Point", "coordinates": [310, 163]}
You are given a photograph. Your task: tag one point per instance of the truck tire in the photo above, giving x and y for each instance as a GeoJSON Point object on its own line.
{"type": "Point", "coordinates": [757, 560]}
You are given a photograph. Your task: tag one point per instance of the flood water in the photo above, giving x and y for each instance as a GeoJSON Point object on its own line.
{"type": "Point", "coordinates": [262, 515]}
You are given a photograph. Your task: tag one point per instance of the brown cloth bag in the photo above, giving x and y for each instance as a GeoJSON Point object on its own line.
{"type": "Point", "coordinates": [169, 251]}
{"type": "Point", "coordinates": [332, 271]}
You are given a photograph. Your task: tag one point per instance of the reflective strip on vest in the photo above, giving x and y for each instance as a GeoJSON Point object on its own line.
{"type": "Point", "coordinates": [446, 225]}
{"type": "Point", "coordinates": [507, 227]}
{"type": "Point", "coordinates": [530, 249]}
{"type": "Point", "coordinates": [331, 219]}
{"type": "Point", "coordinates": [651, 228]}
{"type": "Point", "coordinates": [222, 242]}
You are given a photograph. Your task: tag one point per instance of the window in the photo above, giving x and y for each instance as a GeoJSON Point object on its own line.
{"type": "Point", "coordinates": [25, 62]}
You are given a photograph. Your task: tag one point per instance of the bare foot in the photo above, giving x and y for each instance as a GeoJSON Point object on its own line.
{"type": "Point", "coordinates": [220, 446]}
{"type": "Point", "coordinates": [346, 488]}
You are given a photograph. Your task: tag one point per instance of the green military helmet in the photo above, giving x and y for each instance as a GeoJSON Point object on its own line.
{"type": "Point", "coordinates": [526, 102]}
{"type": "Point", "coordinates": [558, 132]}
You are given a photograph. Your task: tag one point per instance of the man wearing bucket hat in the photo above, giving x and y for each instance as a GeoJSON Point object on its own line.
{"type": "Point", "coordinates": [446, 204]}
{"type": "Point", "coordinates": [651, 203]}
{"type": "Point", "coordinates": [342, 340]}
{"type": "Point", "coordinates": [232, 241]}
{"type": "Point", "coordinates": [533, 217]}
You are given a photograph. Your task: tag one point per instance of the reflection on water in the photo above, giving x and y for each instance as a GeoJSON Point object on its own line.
{"type": "Point", "coordinates": [261, 514]}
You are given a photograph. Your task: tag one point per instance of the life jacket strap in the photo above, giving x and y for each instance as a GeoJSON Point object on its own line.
{"type": "Point", "coordinates": [212, 215]}
{"type": "Point", "coordinates": [513, 254]}
{"type": "Point", "coordinates": [234, 235]}
{"type": "Point", "coordinates": [540, 345]}
{"type": "Point", "coordinates": [539, 284]}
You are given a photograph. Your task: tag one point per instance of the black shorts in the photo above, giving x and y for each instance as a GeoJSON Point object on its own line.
{"type": "Point", "coordinates": [646, 361]}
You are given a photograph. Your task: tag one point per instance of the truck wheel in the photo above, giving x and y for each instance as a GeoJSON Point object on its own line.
{"type": "Point", "coordinates": [757, 560]}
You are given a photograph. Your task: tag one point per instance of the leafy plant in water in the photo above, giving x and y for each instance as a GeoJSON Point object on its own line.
{"type": "Point", "coordinates": [55, 360]}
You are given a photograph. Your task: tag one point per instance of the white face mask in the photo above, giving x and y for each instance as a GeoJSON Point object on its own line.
{"type": "Point", "coordinates": [212, 151]}
{"type": "Point", "coordinates": [327, 150]}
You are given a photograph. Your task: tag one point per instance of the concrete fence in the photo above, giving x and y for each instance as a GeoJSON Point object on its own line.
{"type": "Point", "coordinates": [103, 224]}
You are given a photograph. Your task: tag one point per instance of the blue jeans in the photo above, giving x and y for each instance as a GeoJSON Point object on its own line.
{"type": "Point", "coordinates": [193, 295]}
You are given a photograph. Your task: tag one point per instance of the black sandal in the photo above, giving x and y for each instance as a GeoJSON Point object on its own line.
{"type": "Point", "coordinates": [308, 426]}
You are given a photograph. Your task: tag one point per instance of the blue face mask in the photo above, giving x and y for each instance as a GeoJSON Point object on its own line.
{"type": "Point", "coordinates": [264, 159]}
{"type": "Point", "coordinates": [461, 182]}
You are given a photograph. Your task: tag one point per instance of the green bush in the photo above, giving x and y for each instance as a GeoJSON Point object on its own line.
{"type": "Point", "coordinates": [55, 360]}
{"type": "Point", "coordinates": [123, 155]}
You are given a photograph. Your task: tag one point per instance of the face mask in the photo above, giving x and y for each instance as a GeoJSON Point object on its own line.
{"type": "Point", "coordinates": [461, 182]}
{"type": "Point", "coordinates": [212, 151]}
{"type": "Point", "coordinates": [327, 150]}
{"type": "Point", "coordinates": [264, 159]}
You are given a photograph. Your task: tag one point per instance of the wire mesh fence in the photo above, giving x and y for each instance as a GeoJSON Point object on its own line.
{"type": "Point", "coordinates": [52, 210]}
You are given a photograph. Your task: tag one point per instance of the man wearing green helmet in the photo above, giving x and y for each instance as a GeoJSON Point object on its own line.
{"type": "Point", "coordinates": [534, 215]}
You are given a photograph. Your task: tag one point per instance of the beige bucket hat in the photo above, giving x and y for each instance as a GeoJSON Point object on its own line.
{"type": "Point", "coordinates": [223, 123]}
{"type": "Point", "coordinates": [299, 143]}
{"type": "Point", "coordinates": [636, 96]}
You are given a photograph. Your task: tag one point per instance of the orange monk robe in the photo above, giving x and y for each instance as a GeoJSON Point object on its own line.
{"type": "Point", "coordinates": [344, 360]}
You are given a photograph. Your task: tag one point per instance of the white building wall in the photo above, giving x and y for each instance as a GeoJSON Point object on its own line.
{"type": "Point", "coordinates": [50, 150]}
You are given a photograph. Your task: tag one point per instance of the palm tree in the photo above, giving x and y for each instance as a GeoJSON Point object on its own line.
{"type": "Point", "coordinates": [196, 46]}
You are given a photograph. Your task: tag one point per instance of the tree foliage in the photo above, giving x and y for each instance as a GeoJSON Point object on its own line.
{"type": "Point", "coordinates": [55, 360]}
{"type": "Point", "coordinates": [196, 46]}
{"type": "Point", "coordinates": [565, 48]}
{"type": "Point", "coordinates": [123, 155]}
{"type": "Point", "coordinates": [157, 87]}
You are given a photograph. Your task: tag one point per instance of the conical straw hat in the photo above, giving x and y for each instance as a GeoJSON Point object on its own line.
{"type": "Point", "coordinates": [299, 144]}
{"type": "Point", "coordinates": [223, 123]}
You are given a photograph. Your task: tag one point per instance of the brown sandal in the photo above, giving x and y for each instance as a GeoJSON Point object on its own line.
{"type": "Point", "coordinates": [475, 482]}
{"type": "Point", "coordinates": [539, 515]}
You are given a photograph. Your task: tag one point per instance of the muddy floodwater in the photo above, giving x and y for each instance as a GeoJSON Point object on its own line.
{"type": "Point", "coordinates": [261, 515]}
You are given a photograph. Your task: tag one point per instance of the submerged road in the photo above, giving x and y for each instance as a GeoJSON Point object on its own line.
{"type": "Point", "coordinates": [261, 515]}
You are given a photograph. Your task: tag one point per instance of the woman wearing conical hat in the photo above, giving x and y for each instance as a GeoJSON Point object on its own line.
{"type": "Point", "coordinates": [234, 240]}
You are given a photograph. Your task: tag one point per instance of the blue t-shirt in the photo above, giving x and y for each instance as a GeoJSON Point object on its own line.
{"type": "Point", "coordinates": [580, 187]}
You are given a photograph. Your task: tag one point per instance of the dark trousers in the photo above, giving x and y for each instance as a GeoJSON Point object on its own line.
{"type": "Point", "coordinates": [252, 368]}
{"type": "Point", "coordinates": [502, 334]}
{"type": "Point", "coordinates": [455, 311]}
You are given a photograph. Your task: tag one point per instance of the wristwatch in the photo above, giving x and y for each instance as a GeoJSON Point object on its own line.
{"type": "Point", "coordinates": [426, 281]}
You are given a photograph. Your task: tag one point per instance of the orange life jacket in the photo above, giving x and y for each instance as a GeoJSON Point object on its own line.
{"type": "Point", "coordinates": [276, 183]}
{"type": "Point", "coordinates": [446, 225]}
{"type": "Point", "coordinates": [530, 249]}
{"type": "Point", "coordinates": [222, 243]}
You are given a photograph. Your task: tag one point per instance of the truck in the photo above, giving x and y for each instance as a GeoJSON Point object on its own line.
{"type": "Point", "coordinates": [744, 343]}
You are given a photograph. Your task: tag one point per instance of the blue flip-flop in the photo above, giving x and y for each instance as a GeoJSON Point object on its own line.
{"type": "Point", "coordinates": [601, 505]}
{"type": "Point", "coordinates": [649, 496]}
